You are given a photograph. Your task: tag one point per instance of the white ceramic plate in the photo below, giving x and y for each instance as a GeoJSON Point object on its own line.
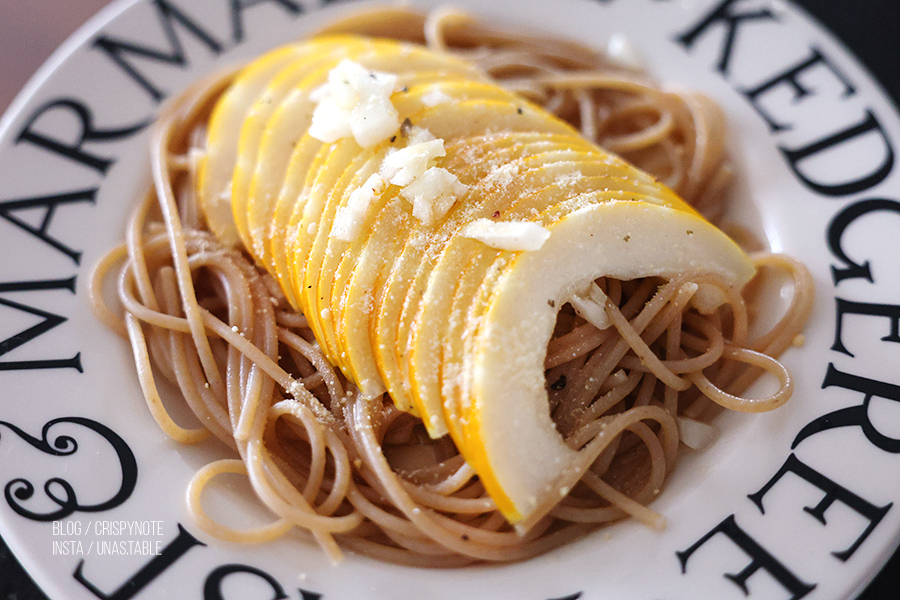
{"type": "Point", "coordinates": [797, 503]}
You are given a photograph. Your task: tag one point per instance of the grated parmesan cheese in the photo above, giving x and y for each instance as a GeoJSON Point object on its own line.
{"type": "Point", "coordinates": [349, 218]}
{"type": "Point", "coordinates": [435, 97]}
{"type": "Point", "coordinates": [507, 235]}
{"type": "Point", "coordinates": [357, 102]}
{"type": "Point", "coordinates": [568, 179]}
{"type": "Point", "coordinates": [433, 193]}
{"type": "Point", "coordinates": [502, 176]}
{"type": "Point", "coordinates": [402, 167]}
{"type": "Point", "coordinates": [354, 102]}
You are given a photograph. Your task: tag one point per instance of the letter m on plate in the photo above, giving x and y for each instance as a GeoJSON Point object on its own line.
{"type": "Point", "coordinates": [21, 324]}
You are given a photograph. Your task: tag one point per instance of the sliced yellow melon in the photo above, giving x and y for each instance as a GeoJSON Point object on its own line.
{"type": "Point", "coordinates": [506, 430]}
{"type": "Point", "coordinates": [270, 130]}
{"type": "Point", "coordinates": [311, 235]}
{"type": "Point", "coordinates": [284, 128]}
{"type": "Point", "coordinates": [325, 256]}
{"type": "Point", "coordinates": [217, 166]}
{"type": "Point", "coordinates": [315, 251]}
{"type": "Point", "coordinates": [305, 161]}
{"type": "Point", "coordinates": [422, 344]}
{"type": "Point", "coordinates": [428, 296]}
{"type": "Point", "coordinates": [278, 123]}
{"type": "Point", "coordinates": [404, 283]}
{"type": "Point", "coordinates": [355, 305]}
{"type": "Point", "coordinates": [454, 328]}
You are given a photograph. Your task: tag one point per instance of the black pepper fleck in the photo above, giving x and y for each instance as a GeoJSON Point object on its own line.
{"type": "Point", "coordinates": [551, 303]}
{"type": "Point", "coordinates": [559, 383]}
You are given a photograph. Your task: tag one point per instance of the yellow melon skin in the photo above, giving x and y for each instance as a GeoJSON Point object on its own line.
{"type": "Point", "coordinates": [455, 330]}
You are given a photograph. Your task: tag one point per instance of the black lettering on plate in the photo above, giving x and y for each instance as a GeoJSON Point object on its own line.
{"type": "Point", "coordinates": [731, 20]}
{"type": "Point", "coordinates": [791, 79]}
{"type": "Point", "coordinates": [123, 52]}
{"type": "Point", "coordinates": [74, 149]}
{"type": "Point", "coordinates": [20, 490]}
{"type": "Point", "coordinates": [869, 125]}
{"type": "Point", "coordinates": [834, 492]}
{"type": "Point", "coordinates": [854, 416]}
{"type": "Point", "coordinates": [150, 571]}
{"type": "Point", "coordinates": [760, 559]}
{"type": "Point", "coordinates": [50, 321]}
{"type": "Point", "coordinates": [839, 224]}
{"type": "Point", "coordinates": [889, 311]}
{"type": "Point", "coordinates": [9, 208]}
{"type": "Point", "coordinates": [238, 6]}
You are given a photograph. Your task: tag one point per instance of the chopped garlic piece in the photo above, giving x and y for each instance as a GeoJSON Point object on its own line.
{"type": "Point", "coordinates": [349, 218]}
{"type": "Point", "coordinates": [590, 304]}
{"type": "Point", "coordinates": [435, 97]}
{"type": "Point", "coordinates": [405, 165]}
{"type": "Point", "coordinates": [417, 135]}
{"type": "Point", "coordinates": [355, 102]}
{"type": "Point", "coordinates": [507, 235]}
{"type": "Point", "coordinates": [433, 193]}
{"type": "Point", "coordinates": [695, 434]}
{"type": "Point", "coordinates": [707, 298]}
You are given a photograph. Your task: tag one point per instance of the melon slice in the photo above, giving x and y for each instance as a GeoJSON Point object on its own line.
{"type": "Point", "coordinates": [406, 283]}
{"type": "Point", "coordinates": [342, 253]}
{"type": "Point", "coordinates": [505, 429]}
{"type": "Point", "coordinates": [422, 345]}
{"type": "Point", "coordinates": [456, 331]}
{"type": "Point", "coordinates": [310, 238]}
{"type": "Point", "coordinates": [355, 305]}
{"type": "Point", "coordinates": [326, 253]}
{"type": "Point", "coordinates": [429, 294]}
{"type": "Point", "coordinates": [314, 250]}
{"type": "Point", "coordinates": [217, 166]}
{"type": "Point", "coordinates": [270, 130]}
{"type": "Point", "coordinates": [280, 120]}
{"type": "Point", "coordinates": [283, 110]}
{"type": "Point", "coordinates": [306, 159]}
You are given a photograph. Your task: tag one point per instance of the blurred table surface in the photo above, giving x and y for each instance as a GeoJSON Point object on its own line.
{"type": "Point", "coordinates": [31, 29]}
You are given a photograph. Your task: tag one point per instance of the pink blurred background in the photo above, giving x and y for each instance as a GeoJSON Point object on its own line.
{"type": "Point", "coordinates": [30, 30]}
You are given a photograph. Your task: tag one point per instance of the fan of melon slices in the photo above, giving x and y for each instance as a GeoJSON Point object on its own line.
{"type": "Point", "coordinates": [430, 225]}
